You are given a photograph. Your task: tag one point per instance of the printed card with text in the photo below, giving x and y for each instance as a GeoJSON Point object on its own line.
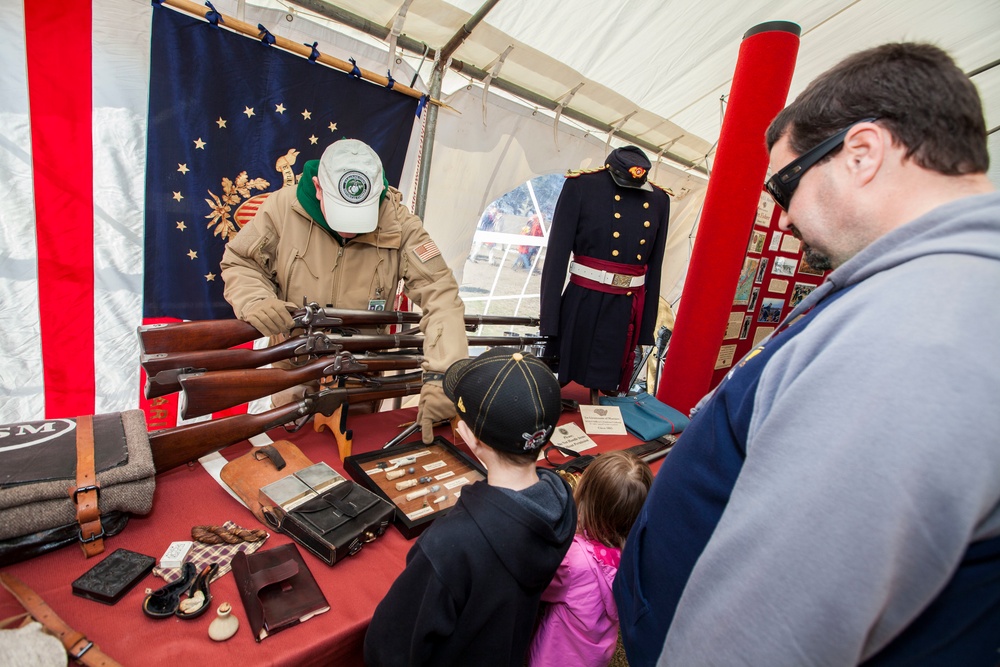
{"type": "Point", "coordinates": [603, 419]}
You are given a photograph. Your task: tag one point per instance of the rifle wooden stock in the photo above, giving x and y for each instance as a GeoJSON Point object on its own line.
{"type": "Point", "coordinates": [215, 391]}
{"type": "Point", "coordinates": [176, 446]}
{"type": "Point", "coordinates": [315, 343]}
{"type": "Point", "coordinates": [220, 334]}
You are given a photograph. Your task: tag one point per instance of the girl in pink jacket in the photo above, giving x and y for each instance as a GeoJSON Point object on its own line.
{"type": "Point", "coordinates": [579, 624]}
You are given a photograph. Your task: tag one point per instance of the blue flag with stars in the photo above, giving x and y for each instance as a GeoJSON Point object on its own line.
{"type": "Point", "coordinates": [230, 121]}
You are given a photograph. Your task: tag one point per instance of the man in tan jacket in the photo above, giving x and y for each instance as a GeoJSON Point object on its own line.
{"type": "Point", "coordinates": [342, 237]}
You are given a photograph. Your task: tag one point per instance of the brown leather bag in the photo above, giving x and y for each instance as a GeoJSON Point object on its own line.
{"type": "Point", "coordinates": [261, 467]}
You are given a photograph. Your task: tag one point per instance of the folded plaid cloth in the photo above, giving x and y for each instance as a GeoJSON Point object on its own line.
{"type": "Point", "coordinates": [205, 554]}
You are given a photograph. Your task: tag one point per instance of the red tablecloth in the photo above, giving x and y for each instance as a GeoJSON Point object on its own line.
{"type": "Point", "coordinates": [188, 496]}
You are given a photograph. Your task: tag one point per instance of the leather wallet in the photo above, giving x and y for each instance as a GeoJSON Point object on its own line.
{"type": "Point", "coordinates": [338, 522]}
{"type": "Point", "coordinates": [277, 589]}
{"type": "Point", "coordinates": [114, 576]}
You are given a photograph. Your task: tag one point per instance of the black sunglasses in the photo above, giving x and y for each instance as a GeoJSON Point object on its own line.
{"type": "Point", "coordinates": [782, 185]}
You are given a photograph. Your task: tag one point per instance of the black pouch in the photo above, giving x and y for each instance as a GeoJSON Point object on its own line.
{"type": "Point", "coordinates": [337, 523]}
{"type": "Point", "coordinates": [114, 576]}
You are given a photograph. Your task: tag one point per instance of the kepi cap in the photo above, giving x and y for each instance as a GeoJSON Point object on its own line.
{"type": "Point", "coordinates": [629, 167]}
{"type": "Point", "coordinates": [350, 174]}
{"type": "Point", "coordinates": [508, 398]}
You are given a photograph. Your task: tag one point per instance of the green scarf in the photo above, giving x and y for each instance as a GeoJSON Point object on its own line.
{"type": "Point", "coordinates": [306, 194]}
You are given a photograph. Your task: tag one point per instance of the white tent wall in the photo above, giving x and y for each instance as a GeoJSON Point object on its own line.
{"type": "Point", "coordinates": [473, 164]}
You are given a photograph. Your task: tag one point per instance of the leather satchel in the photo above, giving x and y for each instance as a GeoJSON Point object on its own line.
{"type": "Point", "coordinates": [337, 523]}
{"type": "Point", "coordinates": [260, 467]}
{"type": "Point", "coordinates": [277, 589]}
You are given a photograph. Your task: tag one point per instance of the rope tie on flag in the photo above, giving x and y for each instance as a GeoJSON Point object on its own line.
{"type": "Point", "coordinates": [314, 53]}
{"type": "Point", "coordinates": [213, 16]}
{"type": "Point", "coordinates": [266, 38]}
{"type": "Point", "coordinates": [421, 104]}
{"type": "Point", "coordinates": [355, 72]}
{"type": "Point", "coordinates": [392, 82]}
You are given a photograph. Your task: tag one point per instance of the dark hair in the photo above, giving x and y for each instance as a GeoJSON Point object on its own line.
{"type": "Point", "coordinates": [915, 90]}
{"type": "Point", "coordinates": [609, 496]}
{"type": "Point", "coordinates": [514, 458]}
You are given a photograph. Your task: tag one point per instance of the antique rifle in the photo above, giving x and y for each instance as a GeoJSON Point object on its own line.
{"type": "Point", "coordinates": [214, 391]}
{"type": "Point", "coordinates": [220, 334]}
{"type": "Point", "coordinates": [316, 343]}
{"type": "Point", "coordinates": [173, 447]}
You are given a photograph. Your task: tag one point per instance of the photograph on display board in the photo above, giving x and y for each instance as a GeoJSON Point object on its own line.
{"type": "Point", "coordinates": [753, 299]}
{"type": "Point", "coordinates": [770, 310]}
{"type": "Point", "coordinates": [761, 271]}
{"type": "Point", "coordinates": [745, 281]}
{"type": "Point", "coordinates": [757, 239]}
{"type": "Point", "coordinates": [784, 266]}
{"type": "Point", "coordinates": [745, 329]}
{"type": "Point", "coordinates": [804, 267]}
{"type": "Point", "coordinates": [799, 292]}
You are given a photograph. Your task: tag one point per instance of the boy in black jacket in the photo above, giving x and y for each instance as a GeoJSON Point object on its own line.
{"type": "Point", "coordinates": [470, 592]}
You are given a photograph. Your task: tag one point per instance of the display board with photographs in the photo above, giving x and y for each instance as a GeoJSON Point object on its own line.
{"type": "Point", "coordinates": [422, 481]}
{"type": "Point", "coordinates": [774, 278]}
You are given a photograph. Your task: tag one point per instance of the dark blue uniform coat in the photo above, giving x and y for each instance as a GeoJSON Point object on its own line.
{"type": "Point", "coordinates": [595, 217]}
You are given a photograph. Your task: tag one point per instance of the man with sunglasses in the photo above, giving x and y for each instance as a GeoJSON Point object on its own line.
{"type": "Point", "coordinates": [836, 500]}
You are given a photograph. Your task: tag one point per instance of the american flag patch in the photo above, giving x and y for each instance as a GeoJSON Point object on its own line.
{"type": "Point", "coordinates": [426, 251]}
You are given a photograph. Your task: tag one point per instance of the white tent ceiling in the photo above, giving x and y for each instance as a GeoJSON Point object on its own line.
{"type": "Point", "coordinates": [666, 64]}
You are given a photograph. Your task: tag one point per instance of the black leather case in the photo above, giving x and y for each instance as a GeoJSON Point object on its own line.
{"type": "Point", "coordinates": [337, 523]}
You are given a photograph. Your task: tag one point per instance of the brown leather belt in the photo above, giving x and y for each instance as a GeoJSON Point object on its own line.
{"type": "Point", "coordinates": [76, 643]}
{"type": "Point", "coordinates": [86, 493]}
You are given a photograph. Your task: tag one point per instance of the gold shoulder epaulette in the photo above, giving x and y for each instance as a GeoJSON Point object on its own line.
{"type": "Point", "coordinates": [573, 173]}
{"type": "Point", "coordinates": [667, 190]}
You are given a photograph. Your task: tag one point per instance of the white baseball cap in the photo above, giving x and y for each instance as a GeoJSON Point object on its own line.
{"type": "Point", "coordinates": [350, 174]}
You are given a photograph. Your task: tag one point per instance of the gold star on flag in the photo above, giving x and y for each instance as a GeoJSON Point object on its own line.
{"type": "Point", "coordinates": [333, 127]}
{"type": "Point", "coordinates": [192, 254]}
{"type": "Point", "coordinates": [209, 276]}
{"type": "Point", "coordinates": [178, 196]}
{"type": "Point", "coordinates": [221, 123]}
{"type": "Point", "coordinates": [306, 115]}
{"type": "Point", "coordinates": [280, 108]}
{"type": "Point", "coordinates": [248, 111]}
{"type": "Point", "coordinates": [181, 226]}
{"type": "Point", "coordinates": [183, 168]}
{"type": "Point", "coordinates": [198, 143]}
{"type": "Point", "coordinates": [313, 139]}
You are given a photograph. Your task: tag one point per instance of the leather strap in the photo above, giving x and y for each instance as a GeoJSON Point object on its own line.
{"type": "Point", "coordinates": [87, 492]}
{"type": "Point", "coordinates": [76, 643]}
{"type": "Point", "coordinates": [606, 277]}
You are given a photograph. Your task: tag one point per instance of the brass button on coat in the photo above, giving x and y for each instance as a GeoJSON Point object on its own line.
{"type": "Point", "coordinates": [618, 215]}
{"type": "Point", "coordinates": [645, 204]}
{"type": "Point", "coordinates": [616, 234]}
{"type": "Point", "coordinates": [642, 241]}
{"type": "Point", "coordinates": [619, 198]}
{"type": "Point", "coordinates": [646, 224]}
{"type": "Point", "coordinates": [639, 257]}
{"type": "Point", "coordinates": [614, 253]}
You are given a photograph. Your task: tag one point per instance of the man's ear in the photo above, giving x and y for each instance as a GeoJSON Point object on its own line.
{"type": "Point", "coordinates": [865, 147]}
{"type": "Point", "coordinates": [319, 188]}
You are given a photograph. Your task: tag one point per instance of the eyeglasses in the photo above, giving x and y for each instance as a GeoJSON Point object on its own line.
{"type": "Point", "coordinates": [782, 185]}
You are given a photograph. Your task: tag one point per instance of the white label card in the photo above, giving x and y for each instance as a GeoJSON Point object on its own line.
{"type": "Point", "coordinates": [603, 419]}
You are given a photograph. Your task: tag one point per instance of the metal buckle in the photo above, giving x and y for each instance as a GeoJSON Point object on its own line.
{"type": "Point", "coordinates": [77, 656]}
{"type": "Point", "coordinates": [620, 280]}
{"type": "Point", "coordinates": [92, 538]}
{"type": "Point", "coordinates": [84, 489]}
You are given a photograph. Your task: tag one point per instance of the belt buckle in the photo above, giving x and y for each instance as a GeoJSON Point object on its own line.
{"type": "Point", "coordinates": [621, 280]}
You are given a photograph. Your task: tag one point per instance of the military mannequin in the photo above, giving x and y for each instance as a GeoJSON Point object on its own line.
{"type": "Point", "coordinates": [614, 222]}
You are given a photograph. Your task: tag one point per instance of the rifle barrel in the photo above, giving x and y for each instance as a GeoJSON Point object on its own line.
{"type": "Point", "coordinates": [315, 343]}
{"type": "Point", "coordinates": [173, 447]}
{"type": "Point", "coordinates": [215, 391]}
{"type": "Point", "coordinates": [221, 334]}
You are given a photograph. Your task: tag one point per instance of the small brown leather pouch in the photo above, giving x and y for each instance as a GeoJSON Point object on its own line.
{"type": "Point", "coordinates": [261, 467]}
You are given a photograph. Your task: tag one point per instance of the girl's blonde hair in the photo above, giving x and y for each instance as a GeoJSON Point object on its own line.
{"type": "Point", "coordinates": [609, 496]}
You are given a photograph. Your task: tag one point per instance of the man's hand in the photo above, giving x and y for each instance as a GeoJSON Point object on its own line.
{"type": "Point", "coordinates": [434, 407]}
{"type": "Point", "coordinates": [270, 316]}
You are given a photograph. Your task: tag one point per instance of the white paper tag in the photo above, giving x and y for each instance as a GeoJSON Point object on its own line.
{"type": "Point", "coordinates": [603, 419]}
